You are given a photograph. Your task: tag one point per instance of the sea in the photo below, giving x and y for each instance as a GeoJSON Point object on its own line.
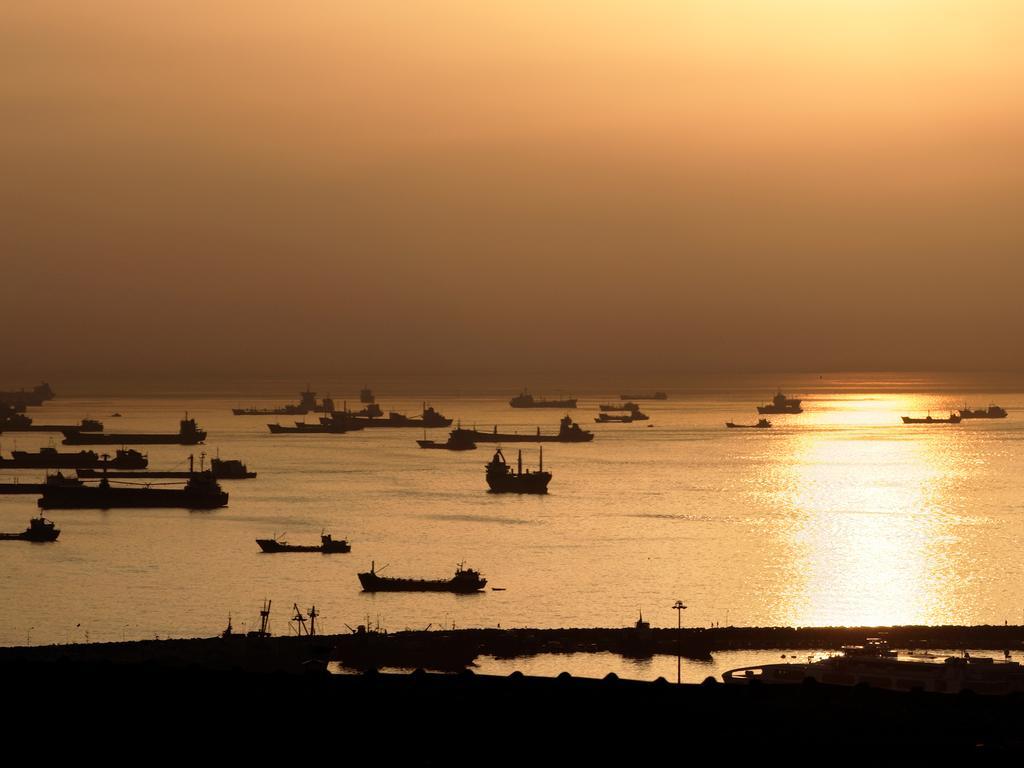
{"type": "Point", "coordinates": [841, 515]}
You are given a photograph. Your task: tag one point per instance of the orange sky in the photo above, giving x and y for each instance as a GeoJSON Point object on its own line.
{"type": "Point", "coordinates": [404, 186]}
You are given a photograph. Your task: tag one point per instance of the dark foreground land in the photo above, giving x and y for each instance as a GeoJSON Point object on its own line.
{"type": "Point", "coordinates": [152, 711]}
{"type": "Point", "coordinates": [252, 699]}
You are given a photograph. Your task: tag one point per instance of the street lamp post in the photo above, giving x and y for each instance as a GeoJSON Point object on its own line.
{"type": "Point", "coordinates": [679, 608]}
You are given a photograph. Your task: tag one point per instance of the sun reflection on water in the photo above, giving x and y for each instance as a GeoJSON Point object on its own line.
{"type": "Point", "coordinates": [868, 519]}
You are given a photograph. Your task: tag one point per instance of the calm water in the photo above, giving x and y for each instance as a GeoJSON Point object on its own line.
{"type": "Point", "coordinates": [841, 515]}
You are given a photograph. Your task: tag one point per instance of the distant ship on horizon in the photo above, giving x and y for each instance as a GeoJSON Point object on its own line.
{"type": "Point", "coordinates": [188, 434]}
{"type": "Point", "coordinates": [568, 432]}
{"type": "Point", "coordinates": [781, 404]}
{"type": "Point", "coordinates": [992, 412]}
{"type": "Point", "coordinates": [307, 404]}
{"type": "Point", "coordinates": [526, 400]}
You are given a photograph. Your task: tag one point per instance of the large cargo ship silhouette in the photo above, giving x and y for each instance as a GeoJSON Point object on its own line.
{"type": "Point", "coordinates": [526, 400]}
{"type": "Point", "coordinates": [428, 419]}
{"type": "Point", "coordinates": [188, 434]}
{"type": "Point", "coordinates": [34, 397]}
{"type": "Point", "coordinates": [50, 458]}
{"type": "Point", "coordinates": [501, 478]}
{"type": "Point", "coordinates": [200, 492]}
{"type": "Point", "coordinates": [781, 404]}
{"type": "Point", "coordinates": [21, 423]}
{"type": "Point", "coordinates": [465, 581]}
{"type": "Point", "coordinates": [307, 404]}
{"type": "Point", "coordinates": [568, 432]}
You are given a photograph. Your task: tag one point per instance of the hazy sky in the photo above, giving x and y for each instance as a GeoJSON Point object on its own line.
{"type": "Point", "coordinates": [268, 188]}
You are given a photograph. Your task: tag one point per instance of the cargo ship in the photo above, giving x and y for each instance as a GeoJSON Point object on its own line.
{"type": "Point", "coordinates": [327, 546]}
{"type": "Point", "coordinates": [307, 404]}
{"type": "Point", "coordinates": [50, 458]}
{"type": "Point", "coordinates": [35, 489]}
{"type": "Point", "coordinates": [612, 407]}
{"type": "Point", "coordinates": [568, 432]}
{"type": "Point", "coordinates": [781, 404]}
{"type": "Point", "coordinates": [501, 478]}
{"type": "Point", "coordinates": [222, 469]}
{"type": "Point", "coordinates": [34, 397]}
{"type": "Point", "coordinates": [953, 419]}
{"type": "Point", "coordinates": [24, 424]}
{"type": "Point", "coordinates": [761, 424]}
{"type": "Point", "coordinates": [465, 581]}
{"type": "Point", "coordinates": [429, 419]}
{"type": "Point", "coordinates": [655, 396]}
{"type": "Point", "coordinates": [992, 412]}
{"type": "Point", "coordinates": [200, 492]}
{"type": "Point", "coordinates": [526, 400]}
{"type": "Point", "coordinates": [457, 441]}
{"type": "Point", "coordinates": [188, 434]}
{"type": "Point", "coordinates": [39, 530]}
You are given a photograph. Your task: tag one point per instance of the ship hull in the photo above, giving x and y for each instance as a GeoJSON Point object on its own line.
{"type": "Point", "coordinates": [33, 537]}
{"type": "Point", "coordinates": [90, 497]}
{"type": "Point", "coordinates": [535, 482]}
{"type": "Point", "coordinates": [730, 425]}
{"type": "Point", "coordinates": [779, 409]}
{"type": "Point", "coordinates": [951, 420]}
{"type": "Point", "coordinates": [35, 461]}
{"type": "Point", "coordinates": [449, 446]}
{"type": "Point", "coordinates": [373, 583]}
{"type": "Point", "coordinates": [497, 437]}
{"type": "Point", "coordinates": [272, 546]}
{"type": "Point", "coordinates": [94, 474]}
{"type": "Point", "coordinates": [21, 488]}
{"type": "Point", "coordinates": [83, 438]}
{"type": "Point", "coordinates": [545, 404]}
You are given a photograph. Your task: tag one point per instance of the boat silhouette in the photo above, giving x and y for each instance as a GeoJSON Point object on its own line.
{"type": "Point", "coordinates": [526, 400]}
{"type": "Point", "coordinates": [327, 545]}
{"type": "Point", "coordinates": [781, 404]}
{"type": "Point", "coordinates": [568, 432]}
{"type": "Point", "coordinates": [501, 478]}
{"type": "Point", "coordinates": [188, 434]}
{"type": "Point", "coordinates": [465, 581]}
{"type": "Point", "coordinates": [761, 424]}
{"type": "Point", "coordinates": [39, 530]}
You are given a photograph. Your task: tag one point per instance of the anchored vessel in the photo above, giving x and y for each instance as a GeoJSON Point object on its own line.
{"type": "Point", "coordinates": [34, 397]}
{"type": "Point", "coordinates": [57, 480]}
{"type": "Point", "coordinates": [200, 492]}
{"type": "Point", "coordinates": [465, 581]}
{"type": "Point", "coordinates": [761, 424]}
{"type": "Point", "coordinates": [457, 441]}
{"type": "Point", "coordinates": [188, 434]}
{"type": "Point", "coordinates": [502, 479]}
{"type": "Point", "coordinates": [992, 412]}
{"type": "Point", "coordinates": [49, 458]}
{"type": "Point", "coordinates": [526, 400]}
{"type": "Point", "coordinates": [307, 404]}
{"type": "Point", "coordinates": [327, 546]}
{"type": "Point", "coordinates": [371, 417]}
{"type": "Point", "coordinates": [953, 419]}
{"type": "Point", "coordinates": [655, 396]}
{"type": "Point", "coordinates": [625, 418]}
{"type": "Point", "coordinates": [568, 432]}
{"type": "Point", "coordinates": [222, 469]}
{"type": "Point", "coordinates": [781, 404]}
{"type": "Point", "coordinates": [612, 407]}
{"type": "Point", "coordinates": [20, 423]}
{"type": "Point", "coordinates": [39, 529]}
{"type": "Point", "coordinates": [875, 665]}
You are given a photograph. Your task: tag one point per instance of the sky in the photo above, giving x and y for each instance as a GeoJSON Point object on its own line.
{"type": "Point", "coordinates": [250, 188]}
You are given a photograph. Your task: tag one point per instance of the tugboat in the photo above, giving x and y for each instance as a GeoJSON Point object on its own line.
{"type": "Point", "coordinates": [49, 458]}
{"type": "Point", "coordinates": [992, 412]}
{"type": "Point", "coordinates": [39, 530]}
{"type": "Point", "coordinates": [502, 479]}
{"type": "Point", "coordinates": [188, 434]}
{"type": "Point", "coordinates": [526, 400]}
{"type": "Point", "coordinates": [761, 424]}
{"type": "Point", "coordinates": [568, 432]}
{"type": "Point", "coordinates": [328, 546]}
{"type": "Point", "coordinates": [200, 492]}
{"type": "Point", "coordinates": [465, 581]}
{"type": "Point", "coordinates": [953, 419]}
{"type": "Point", "coordinates": [781, 404]}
